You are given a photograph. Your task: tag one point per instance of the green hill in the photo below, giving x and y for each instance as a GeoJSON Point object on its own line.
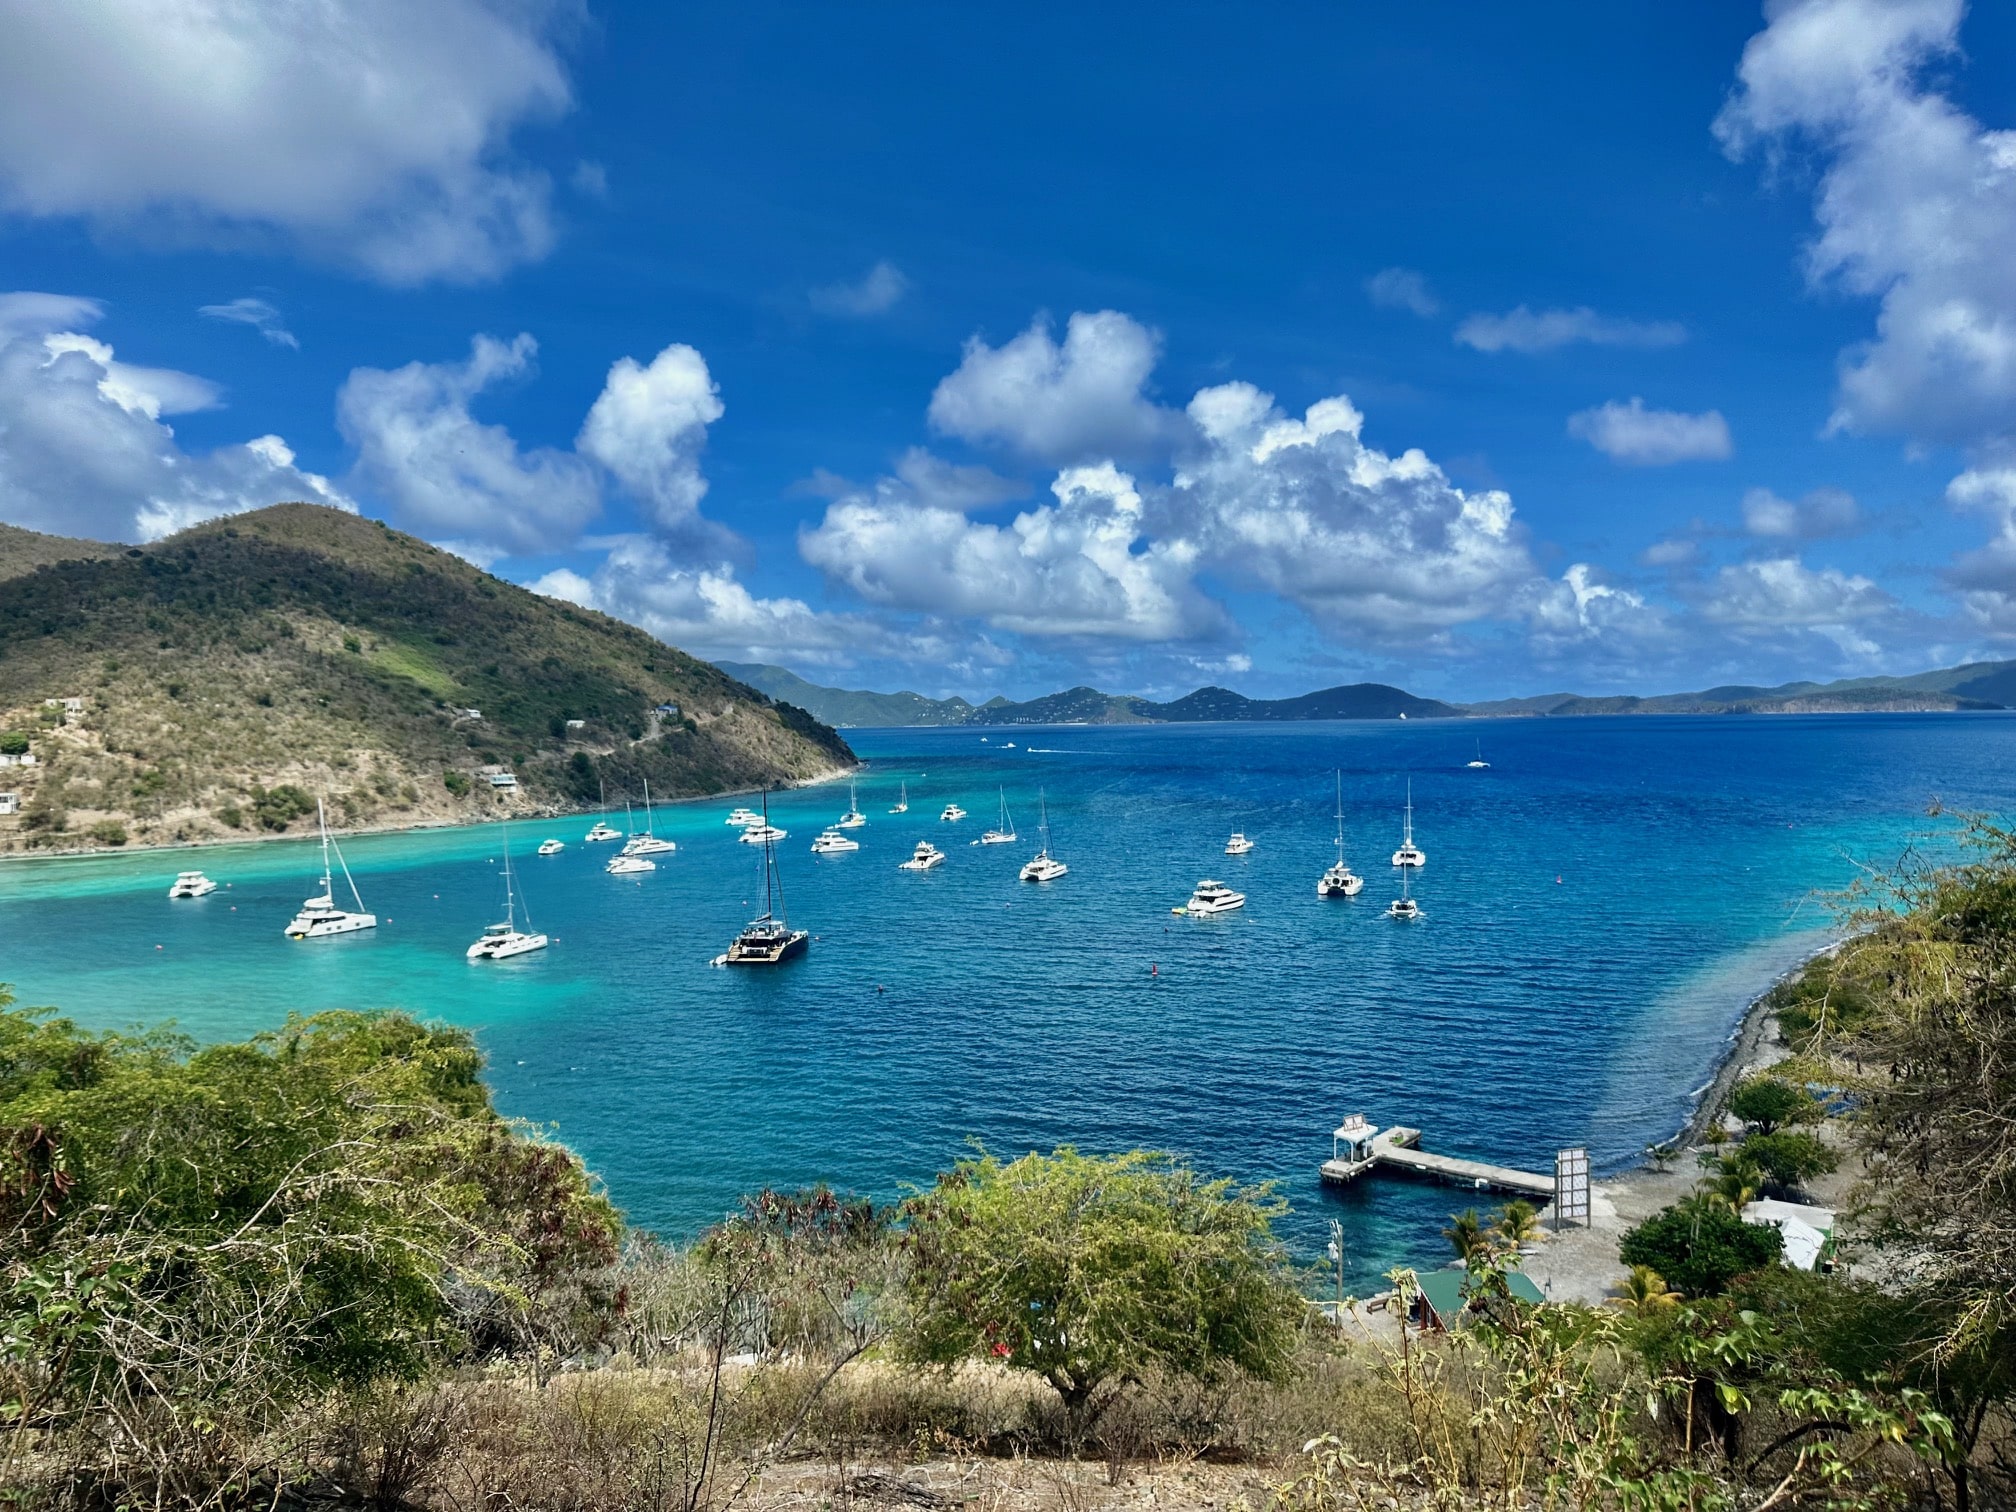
{"type": "Point", "coordinates": [845, 708]}
{"type": "Point", "coordinates": [228, 674]}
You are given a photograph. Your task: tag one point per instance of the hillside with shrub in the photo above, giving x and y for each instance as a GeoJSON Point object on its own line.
{"type": "Point", "coordinates": [224, 677]}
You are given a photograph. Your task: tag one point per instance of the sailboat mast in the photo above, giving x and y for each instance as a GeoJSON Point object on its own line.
{"type": "Point", "coordinates": [510, 896]}
{"type": "Point", "coordinates": [322, 821]}
{"type": "Point", "coordinates": [1340, 816]}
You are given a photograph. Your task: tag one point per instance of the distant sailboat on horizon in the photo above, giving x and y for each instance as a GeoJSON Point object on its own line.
{"type": "Point", "coordinates": [903, 801]}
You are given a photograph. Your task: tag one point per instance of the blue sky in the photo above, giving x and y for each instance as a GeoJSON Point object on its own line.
{"type": "Point", "coordinates": [1483, 350]}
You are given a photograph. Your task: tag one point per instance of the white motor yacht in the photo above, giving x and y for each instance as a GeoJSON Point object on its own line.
{"type": "Point", "coordinates": [1003, 832]}
{"type": "Point", "coordinates": [1238, 845]}
{"type": "Point", "coordinates": [745, 817]}
{"type": "Point", "coordinates": [831, 840]}
{"type": "Point", "coordinates": [320, 917]}
{"type": "Point", "coordinates": [1409, 853]}
{"type": "Point", "coordinates": [602, 832]}
{"type": "Point", "coordinates": [763, 833]}
{"type": "Point", "coordinates": [551, 847]}
{"type": "Point", "coordinates": [924, 857]}
{"type": "Point", "coordinates": [1043, 867]}
{"type": "Point", "coordinates": [499, 942]}
{"type": "Point", "coordinates": [1211, 898]}
{"type": "Point", "coordinates": [768, 939]}
{"type": "Point", "coordinates": [191, 885]}
{"type": "Point", "coordinates": [902, 805]}
{"type": "Point", "coordinates": [853, 818]}
{"type": "Point", "coordinates": [648, 843]}
{"type": "Point", "coordinates": [625, 866]}
{"type": "Point", "coordinates": [1339, 881]}
{"type": "Point", "coordinates": [953, 814]}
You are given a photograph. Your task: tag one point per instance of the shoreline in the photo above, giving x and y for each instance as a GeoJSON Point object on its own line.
{"type": "Point", "coordinates": [550, 811]}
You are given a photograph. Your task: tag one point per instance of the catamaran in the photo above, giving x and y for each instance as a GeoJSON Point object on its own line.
{"type": "Point", "coordinates": [320, 917]}
{"type": "Point", "coordinates": [744, 817]}
{"type": "Point", "coordinates": [1211, 898]}
{"type": "Point", "coordinates": [191, 885]}
{"type": "Point", "coordinates": [923, 858]}
{"type": "Point", "coordinates": [902, 800]}
{"type": "Point", "coordinates": [853, 818]}
{"type": "Point", "coordinates": [1238, 845]}
{"type": "Point", "coordinates": [499, 942]}
{"type": "Point", "coordinates": [768, 939]}
{"type": "Point", "coordinates": [1004, 832]}
{"type": "Point", "coordinates": [1404, 906]}
{"type": "Point", "coordinates": [1409, 853]}
{"type": "Point", "coordinates": [831, 841]}
{"type": "Point", "coordinates": [1044, 867]}
{"type": "Point", "coordinates": [648, 843]}
{"type": "Point", "coordinates": [1339, 881]}
{"type": "Point", "coordinates": [602, 832]}
{"type": "Point", "coordinates": [1480, 764]}
{"type": "Point", "coordinates": [629, 866]}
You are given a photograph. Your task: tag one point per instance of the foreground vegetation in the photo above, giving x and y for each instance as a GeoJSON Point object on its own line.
{"type": "Point", "coordinates": [318, 1265]}
{"type": "Point", "coordinates": [301, 650]}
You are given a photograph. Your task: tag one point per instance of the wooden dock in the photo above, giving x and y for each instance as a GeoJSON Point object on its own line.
{"type": "Point", "coordinates": [1400, 1149]}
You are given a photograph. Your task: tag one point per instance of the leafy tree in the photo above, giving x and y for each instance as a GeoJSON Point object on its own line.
{"type": "Point", "coordinates": [1466, 1234]}
{"type": "Point", "coordinates": [1088, 1271]}
{"type": "Point", "coordinates": [1788, 1158]}
{"type": "Point", "coordinates": [13, 743]}
{"type": "Point", "coordinates": [277, 807]}
{"type": "Point", "coordinates": [1700, 1247]}
{"type": "Point", "coordinates": [1767, 1102]}
{"type": "Point", "coordinates": [1519, 1223]}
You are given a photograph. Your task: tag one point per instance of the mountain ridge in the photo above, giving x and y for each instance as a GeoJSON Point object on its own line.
{"type": "Point", "coordinates": [1972, 685]}
{"type": "Point", "coordinates": [225, 676]}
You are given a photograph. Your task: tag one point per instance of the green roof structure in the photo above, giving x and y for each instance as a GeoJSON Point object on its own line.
{"type": "Point", "coordinates": [1446, 1294]}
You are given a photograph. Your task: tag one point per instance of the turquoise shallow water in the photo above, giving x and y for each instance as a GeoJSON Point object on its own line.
{"type": "Point", "coordinates": [1522, 1014]}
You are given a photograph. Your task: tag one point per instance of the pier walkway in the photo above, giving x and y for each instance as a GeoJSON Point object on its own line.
{"type": "Point", "coordinates": [1399, 1148]}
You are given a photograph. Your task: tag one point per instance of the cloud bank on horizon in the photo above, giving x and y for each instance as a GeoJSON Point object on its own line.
{"type": "Point", "coordinates": [1068, 500]}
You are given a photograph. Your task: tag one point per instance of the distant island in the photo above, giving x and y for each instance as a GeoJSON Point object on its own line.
{"type": "Point", "coordinates": [212, 685]}
{"type": "Point", "coordinates": [1976, 685]}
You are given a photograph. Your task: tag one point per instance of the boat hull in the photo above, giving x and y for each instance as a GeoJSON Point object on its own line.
{"type": "Point", "coordinates": [328, 928]}
{"type": "Point", "coordinates": [505, 949]}
{"type": "Point", "coordinates": [1044, 871]}
{"type": "Point", "coordinates": [768, 952]}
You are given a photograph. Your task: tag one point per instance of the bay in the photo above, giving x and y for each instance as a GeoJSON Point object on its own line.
{"type": "Point", "coordinates": [1600, 903]}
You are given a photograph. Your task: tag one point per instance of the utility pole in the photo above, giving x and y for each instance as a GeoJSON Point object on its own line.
{"type": "Point", "coordinates": [1337, 1255]}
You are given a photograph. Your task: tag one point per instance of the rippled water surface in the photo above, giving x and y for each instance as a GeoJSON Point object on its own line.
{"type": "Point", "coordinates": [1600, 905]}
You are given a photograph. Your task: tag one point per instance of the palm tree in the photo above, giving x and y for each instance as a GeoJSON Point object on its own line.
{"type": "Point", "coordinates": [1734, 1186]}
{"type": "Point", "coordinates": [1519, 1222]}
{"type": "Point", "coordinates": [1466, 1234]}
{"type": "Point", "coordinates": [1645, 1291]}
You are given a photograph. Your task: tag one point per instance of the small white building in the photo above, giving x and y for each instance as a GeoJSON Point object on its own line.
{"type": "Point", "coordinates": [577, 724]}
{"type": "Point", "coordinates": [25, 759]}
{"type": "Point", "coordinates": [1808, 1232]}
{"type": "Point", "coordinates": [10, 803]}
{"type": "Point", "coordinates": [469, 713]}
{"type": "Point", "coordinates": [69, 706]}
{"type": "Point", "coordinates": [498, 777]}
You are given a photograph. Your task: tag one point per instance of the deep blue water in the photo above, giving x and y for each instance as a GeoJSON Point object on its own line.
{"type": "Point", "coordinates": [1600, 905]}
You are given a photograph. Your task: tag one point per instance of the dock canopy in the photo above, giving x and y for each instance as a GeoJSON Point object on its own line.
{"type": "Point", "coordinates": [1446, 1295]}
{"type": "Point", "coordinates": [1808, 1231]}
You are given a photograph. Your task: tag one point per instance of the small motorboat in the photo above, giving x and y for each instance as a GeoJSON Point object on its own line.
{"type": "Point", "coordinates": [763, 833]}
{"type": "Point", "coordinates": [191, 885]}
{"type": "Point", "coordinates": [1238, 845]}
{"type": "Point", "coordinates": [551, 847]}
{"type": "Point", "coordinates": [953, 814]}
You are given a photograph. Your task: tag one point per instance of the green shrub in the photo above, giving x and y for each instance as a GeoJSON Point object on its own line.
{"type": "Point", "coordinates": [1789, 1157]}
{"type": "Point", "coordinates": [456, 782]}
{"type": "Point", "coordinates": [13, 743]}
{"type": "Point", "coordinates": [1766, 1102]}
{"type": "Point", "coordinates": [277, 807]}
{"type": "Point", "coordinates": [353, 645]}
{"type": "Point", "coordinates": [1700, 1247]}
{"type": "Point", "coordinates": [232, 815]}
{"type": "Point", "coordinates": [109, 832]}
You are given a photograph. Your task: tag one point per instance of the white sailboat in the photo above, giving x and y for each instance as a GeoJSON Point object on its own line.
{"type": "Point", "coordinates": [902, 800]}
{"type": "Point", "coordinates": [1044, 867]}
{"type": "Point", "coordinates": [1404, 906]}
{"type": "Point", "coordinates": [1004, 832]}
{"type": "Point", "coordinates": [1480, 764]}
{"type": "Point", "coordinates": [768, 939]}
{"type": "Point", "coordinates": [1339, 881]}
{"type": "Point", "coordinates": [499, 942]}
{"type": "Point", "coordinates": [320, 917]}
{"type": "Point", "coordinates": [629, 866]}
{"type": "Point", "coordinates": [853, 818]}
{"type": "Point", "coordinates": [1409, 853]}
{"type": "Point", "coordinates": [648, 843]}
{"type": "Point", "coordinates": [191, 885]}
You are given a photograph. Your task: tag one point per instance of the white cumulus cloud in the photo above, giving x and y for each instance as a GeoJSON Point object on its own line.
{"type": "Point", "coordinates": [1916, 207]}
{"type": "Point", "coordinates": [449, 475]}
{"type": "Point", "coordinates": [1078, 401]}
{"type": "Point", "coordinates": [1783, 593]}
{"type": "Point", "coordinates": [1080, 567]}
{"type": "Point", "coordinates": [1641, 437]}
{"type": "Point", "coordinates": [1402, 289]}
{"type": "Point", "coordinates": [648, 427]}
{"type": "Point", "coordinates": [1822, 513]}
{"type": "Point", "coordinates": [1529, 330]}
{"type": "Point", "coordinates": [84, 450]}
{"type": "Point", "coordinates": [1582, 607]}
{"type": "Point", "coordinates": [369, 132]}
